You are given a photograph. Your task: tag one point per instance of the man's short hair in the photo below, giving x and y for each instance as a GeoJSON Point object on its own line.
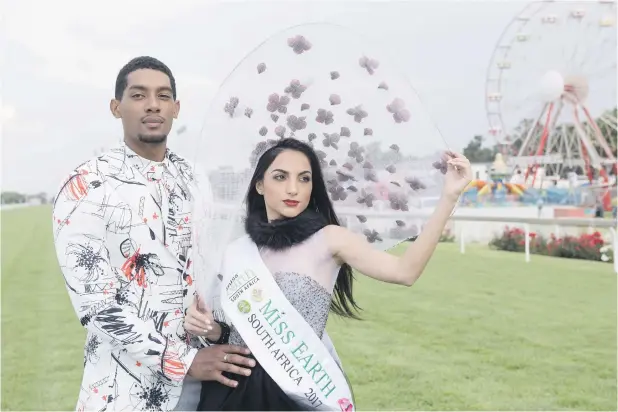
{"type": "Point", "coordinates": [138, 63]}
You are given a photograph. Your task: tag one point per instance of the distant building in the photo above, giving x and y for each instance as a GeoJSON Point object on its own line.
{"type": "Point", "coordinates": [229, 185]}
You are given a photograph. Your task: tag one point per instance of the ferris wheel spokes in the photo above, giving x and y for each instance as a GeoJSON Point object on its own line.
{"type": "Point", "coordinates": [530, 133]}
{"type": "Point", "coordinates": [552, 137]}
{"type": "Point", "coordinates": [592, 155]}
{"type": "Point", "coordinates": [543, 141]}
{"type": "Point", "coordinates": [598, 134]}
{"type": "Point", "coordinates": [572, 47]}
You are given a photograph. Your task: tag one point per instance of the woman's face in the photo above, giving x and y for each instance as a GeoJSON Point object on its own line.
{"type": "Point", "coordinates": [287, 185]}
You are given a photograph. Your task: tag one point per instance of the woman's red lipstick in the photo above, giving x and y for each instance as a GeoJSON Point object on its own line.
{"type": "Point", "coordinates": [291, 203]}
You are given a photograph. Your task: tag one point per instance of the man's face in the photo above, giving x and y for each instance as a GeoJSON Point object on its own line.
{"type": "Point", "coordinates": [147, 107]}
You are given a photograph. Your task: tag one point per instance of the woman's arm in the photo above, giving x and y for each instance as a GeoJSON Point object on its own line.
{"type": "Point", "coordinates": [354, 249]}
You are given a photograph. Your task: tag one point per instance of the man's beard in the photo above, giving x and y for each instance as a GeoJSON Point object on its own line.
{"type": "Point", "coordinates": [152, 139]}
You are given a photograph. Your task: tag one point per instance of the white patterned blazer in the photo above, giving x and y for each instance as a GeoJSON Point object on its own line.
{"type": "Point", "coordinates": [122, 232]}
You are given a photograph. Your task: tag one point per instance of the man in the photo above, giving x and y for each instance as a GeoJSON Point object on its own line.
{"type": "Point", "coordinates": [122, 232]}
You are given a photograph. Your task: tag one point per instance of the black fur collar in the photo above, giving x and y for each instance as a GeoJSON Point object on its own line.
{"type": "Point", "coordinates": [283, 233]}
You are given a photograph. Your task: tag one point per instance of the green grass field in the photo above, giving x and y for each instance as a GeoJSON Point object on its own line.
{"type": "Point", "coordinates": [480, 331]}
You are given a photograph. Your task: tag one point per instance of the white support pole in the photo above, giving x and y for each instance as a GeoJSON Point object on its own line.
{"type": "Point", "coordinates": [557, 231]}
{"type": "Point", "coordinates": [614, 244]}
{"type": "Point", "coordinates": [462, 241]}
{"type": "Point", "coordinates": [527, 241]}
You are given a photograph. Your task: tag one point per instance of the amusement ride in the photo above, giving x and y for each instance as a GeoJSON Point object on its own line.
{"type": "Point", "coordinates": [551, 97]}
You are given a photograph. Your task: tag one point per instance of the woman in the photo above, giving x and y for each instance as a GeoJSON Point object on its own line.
{"type": "Point", "coordinates": [291, 220]}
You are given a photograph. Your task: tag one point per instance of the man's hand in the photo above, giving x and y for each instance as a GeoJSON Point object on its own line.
{"type": "Point", "coordinates": [210, 362]}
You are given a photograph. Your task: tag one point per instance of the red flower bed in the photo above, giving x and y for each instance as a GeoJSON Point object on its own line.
{"type": "Point", "coordinates": [586, 246]}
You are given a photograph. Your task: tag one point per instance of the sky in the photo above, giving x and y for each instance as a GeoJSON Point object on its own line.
{"type": "Point", "coordinates": [61, 60]}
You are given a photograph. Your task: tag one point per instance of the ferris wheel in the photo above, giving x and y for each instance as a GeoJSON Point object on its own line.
{"type": "Point", "coordinates": [551, 88]}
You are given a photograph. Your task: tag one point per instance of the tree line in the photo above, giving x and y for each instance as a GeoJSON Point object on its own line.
{"type": "Point", "coordinates": [11, 197]}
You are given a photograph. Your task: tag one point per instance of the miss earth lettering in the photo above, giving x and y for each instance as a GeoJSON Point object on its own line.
{"type": "Point", "coordinates": [313, 367]}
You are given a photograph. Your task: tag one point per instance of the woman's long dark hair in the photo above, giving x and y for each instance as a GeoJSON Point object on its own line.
{"type": "Point", "coordinates": [343, 303]}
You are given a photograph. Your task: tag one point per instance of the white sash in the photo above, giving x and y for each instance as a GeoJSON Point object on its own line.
{"type": "Point", "coordinates": [279, 337]}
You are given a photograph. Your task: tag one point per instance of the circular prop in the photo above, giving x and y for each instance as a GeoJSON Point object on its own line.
{"type": "Point", "coordinates": [382, 156]}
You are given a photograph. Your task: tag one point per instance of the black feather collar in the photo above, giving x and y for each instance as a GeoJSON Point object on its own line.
{"type": "Point", "coordinates": [283, 233]}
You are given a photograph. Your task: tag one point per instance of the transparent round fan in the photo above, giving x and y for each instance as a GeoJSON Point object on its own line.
{"type": "Point", "coordinates": [381, 154]}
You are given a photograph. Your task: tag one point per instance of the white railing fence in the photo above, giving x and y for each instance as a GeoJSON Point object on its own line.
{"type": "Point", "coordinates": [470, 229]}
{"type": "Point", "coordinates": [559, 226]}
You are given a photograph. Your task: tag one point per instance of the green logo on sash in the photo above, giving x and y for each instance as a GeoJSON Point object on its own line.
{"type": "Point", "coordinates": [244, 306]}
{"type": "Point", "coordinates": [256, 294]}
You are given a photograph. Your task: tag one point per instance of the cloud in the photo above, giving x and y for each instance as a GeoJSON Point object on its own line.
{"type": "Point", "coordinates": [7, 113]}
{"type": "Point", "coordinates": [85, 43]}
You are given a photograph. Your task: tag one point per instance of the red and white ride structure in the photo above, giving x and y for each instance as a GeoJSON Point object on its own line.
{"type": "Point", "coordinates": [551, 89]}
